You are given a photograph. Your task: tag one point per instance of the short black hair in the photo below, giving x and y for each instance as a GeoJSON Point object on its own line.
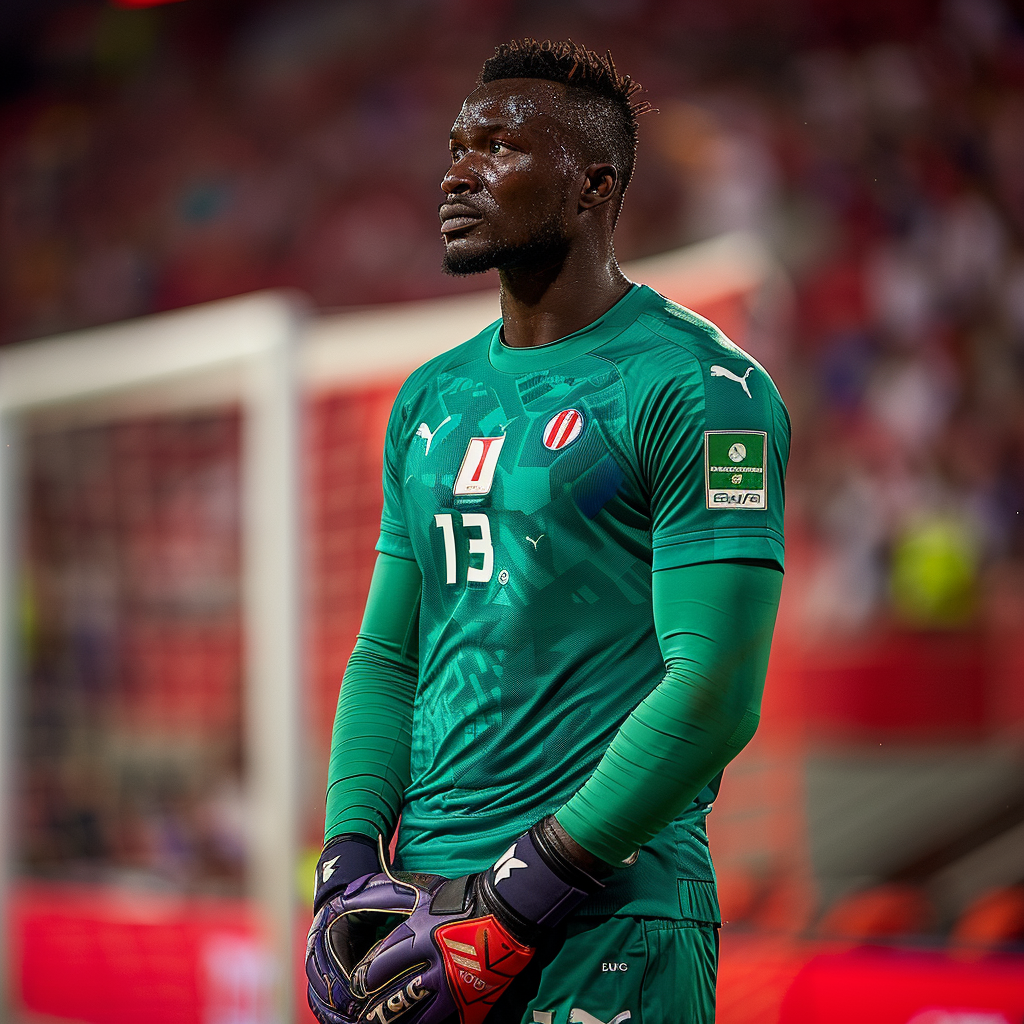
{"type": "Point", "coordinates": [606, 100]}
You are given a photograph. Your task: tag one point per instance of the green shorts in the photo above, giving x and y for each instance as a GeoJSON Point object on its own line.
{"type": "Point", "coordinates": [609, 970]}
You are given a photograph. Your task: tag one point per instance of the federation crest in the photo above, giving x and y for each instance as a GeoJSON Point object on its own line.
{"type": "Point", "coordinates": [562, 429]}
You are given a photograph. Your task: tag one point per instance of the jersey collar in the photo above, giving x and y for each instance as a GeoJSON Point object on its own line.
{"type": "Point", "coordinates": [544, 357]}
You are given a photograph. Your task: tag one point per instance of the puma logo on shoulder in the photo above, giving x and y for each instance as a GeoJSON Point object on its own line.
{"type": "Point", "coordinates": [424, 431]}
{"type": "Point", "coordinates": [721, 371]}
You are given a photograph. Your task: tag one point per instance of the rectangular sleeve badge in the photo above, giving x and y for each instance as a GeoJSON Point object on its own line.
{"type": "Point", "coordinates": [734, 468]}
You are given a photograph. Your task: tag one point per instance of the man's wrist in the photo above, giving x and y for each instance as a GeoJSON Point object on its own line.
{"type": "Point", "coordinates": [584, 856]}
{"type": "Point", "coordinates": [539, 881]}
{"type": "Point", "coordinates": [344, 858]}
{"type": "Point", "coordinates": [572, 851]}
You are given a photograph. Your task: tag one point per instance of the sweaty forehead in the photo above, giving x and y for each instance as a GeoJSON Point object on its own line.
{"type": "Point", "coordinates": [516, 103]}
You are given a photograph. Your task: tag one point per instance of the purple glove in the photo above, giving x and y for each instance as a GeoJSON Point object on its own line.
{"type": "Point", "coordinates": [344, 859]}
{"type": "Point", "coordinates": [464, 939]}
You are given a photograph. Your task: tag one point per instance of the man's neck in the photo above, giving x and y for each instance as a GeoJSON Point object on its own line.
{"type": "Point", "coordinates": [541, 305]}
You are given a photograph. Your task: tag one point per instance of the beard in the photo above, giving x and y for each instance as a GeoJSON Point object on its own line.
{"type": "Point", "coordinates": [548, 245]}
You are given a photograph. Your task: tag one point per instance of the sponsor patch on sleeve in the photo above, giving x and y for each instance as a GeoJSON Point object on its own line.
{"type": "Point", "coordinates": [735, 468]}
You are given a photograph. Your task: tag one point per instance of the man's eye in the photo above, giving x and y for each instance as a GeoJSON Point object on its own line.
{"type": "Point", "coordinates": [457, 153]}
{"type": "Point", "coordinates": [496, 146]}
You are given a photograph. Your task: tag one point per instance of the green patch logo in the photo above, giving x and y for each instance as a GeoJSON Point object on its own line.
{"type": "Point", "coordinates": [734, 468]}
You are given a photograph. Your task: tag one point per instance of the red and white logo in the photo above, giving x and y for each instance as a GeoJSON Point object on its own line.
{"type": "Point", "coordinates": [563, 428]}
{"type": "Point", "coordinates": [476, 474]}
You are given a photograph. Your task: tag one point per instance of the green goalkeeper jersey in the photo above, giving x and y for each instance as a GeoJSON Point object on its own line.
{"type": "Point", "coordinates": [537, 489]}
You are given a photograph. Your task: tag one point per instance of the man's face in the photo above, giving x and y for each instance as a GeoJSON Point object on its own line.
{"type": "Point", "coordinates": [509, 194]}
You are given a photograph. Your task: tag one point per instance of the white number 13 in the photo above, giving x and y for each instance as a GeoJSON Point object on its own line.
{"type": "Point", "coordinates": [477, 545]}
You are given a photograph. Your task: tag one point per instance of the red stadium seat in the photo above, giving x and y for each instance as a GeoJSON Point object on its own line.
{"type": "Point", "coordinates": [881, 912]}
{"type": "Point", "coordinates": [994, 918]}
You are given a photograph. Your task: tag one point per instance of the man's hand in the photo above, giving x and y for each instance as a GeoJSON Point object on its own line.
{"type": "Point", "coordinates": [463, 940]}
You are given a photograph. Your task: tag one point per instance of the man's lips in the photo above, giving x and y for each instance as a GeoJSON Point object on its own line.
{"type": "Point", "coordinates": [456, 218]}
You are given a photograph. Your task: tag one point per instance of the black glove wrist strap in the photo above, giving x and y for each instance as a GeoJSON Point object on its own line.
{"type": "Point", "coordinates": [344, 859]}
{"type": "Point", "coordinates": [535, 883]}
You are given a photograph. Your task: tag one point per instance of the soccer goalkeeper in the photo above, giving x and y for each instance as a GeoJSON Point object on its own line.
{"type": "Point", "coordinates": [568, 627]}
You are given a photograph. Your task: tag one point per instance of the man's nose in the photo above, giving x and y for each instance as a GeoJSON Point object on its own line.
{"type": "Point", "coordinates": [459, 180]}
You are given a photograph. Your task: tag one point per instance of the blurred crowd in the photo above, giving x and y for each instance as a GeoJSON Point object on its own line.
{"type": "Point", "coordinates": [909, 170]}
{"type": "Point", "coordinates": [162, 157]}
{"type": "Point", "coordinates": [130, 733]}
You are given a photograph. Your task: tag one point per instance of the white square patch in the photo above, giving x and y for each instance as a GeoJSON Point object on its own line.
{"type": "Point", "coordinates": [476, 474]}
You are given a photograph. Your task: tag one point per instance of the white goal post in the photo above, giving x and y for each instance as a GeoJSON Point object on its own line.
{"type": "Point", "coordinates": [236, 352]}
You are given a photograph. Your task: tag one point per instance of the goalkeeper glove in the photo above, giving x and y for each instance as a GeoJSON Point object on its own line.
{"type": "Point", "coordinates": [463, 940]}
{"type": "Point", "coordinates": [345, 859]}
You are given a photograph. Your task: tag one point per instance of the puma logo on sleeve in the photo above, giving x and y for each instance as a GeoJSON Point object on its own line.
{"type": "Point", "coordinates": [721, 371]}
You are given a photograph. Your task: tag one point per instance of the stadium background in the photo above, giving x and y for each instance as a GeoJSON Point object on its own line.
{"type": "Point", "coordinates": [844, 186]}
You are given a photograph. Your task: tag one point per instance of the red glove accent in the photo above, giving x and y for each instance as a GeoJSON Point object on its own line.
{"type": "Point", "coordinates": [480, 960]}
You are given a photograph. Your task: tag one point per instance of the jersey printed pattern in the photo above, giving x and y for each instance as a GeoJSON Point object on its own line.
{"type": "Point", "coordinates": [536, 490]}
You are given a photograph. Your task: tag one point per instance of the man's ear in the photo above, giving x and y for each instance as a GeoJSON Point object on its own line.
{"type": "Point", "coordinates": [600, 182]}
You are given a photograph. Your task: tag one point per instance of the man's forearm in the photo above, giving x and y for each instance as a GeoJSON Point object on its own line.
{"type": "Point", "coordinates": [715, 624]}
{"type": "Point", "coordinates": [369, 766]}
